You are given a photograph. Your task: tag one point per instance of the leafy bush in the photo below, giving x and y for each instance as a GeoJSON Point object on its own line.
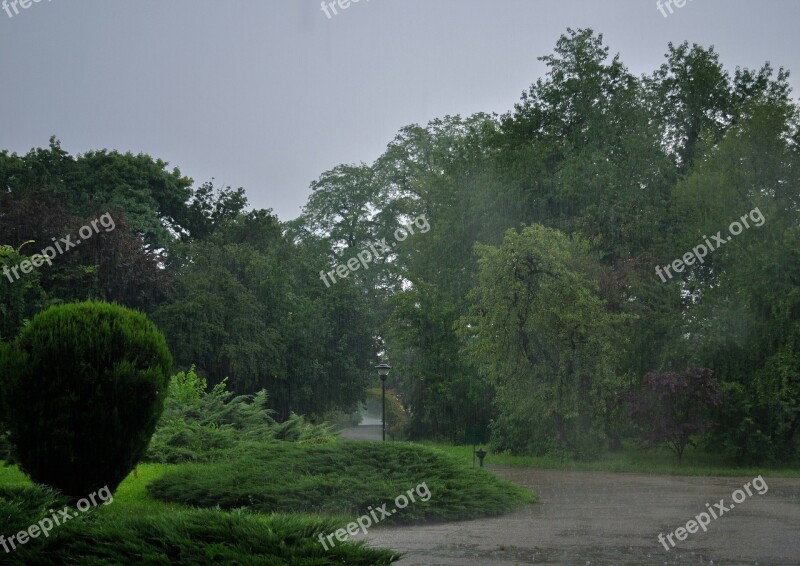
{"type": "Point", "coordinates": [84, 388]}
{"type": "Point", "coordinates": [759, 422]}
{"type": "Point", "coordinates": [523, 433]}
{"type": "Point", "coordinates": [197, 425]}
{"type": "Point", "coordinates": [188, 537]}
{"type": "Point", "coordinates": [6, 449]}
{"type": "Point", "coordinates": [18, 302]}
{"type": "Point", "coordinates": [341, 479]}
{"type": "Point", "coordinates": [740, 437]}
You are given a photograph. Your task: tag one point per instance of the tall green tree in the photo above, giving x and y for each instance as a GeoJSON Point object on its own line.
{"type": "Point", "coordinates": [744, 304]}
{"type": "Point", "coordinates": [541, 332]}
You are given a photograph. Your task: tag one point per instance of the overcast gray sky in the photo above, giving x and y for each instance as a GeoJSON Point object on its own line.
{"type": "Point", "coordinates": [268, 94]}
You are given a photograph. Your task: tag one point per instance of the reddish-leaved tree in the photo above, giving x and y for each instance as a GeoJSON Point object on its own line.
{"type": "Point", "coordinates": [671, 408]}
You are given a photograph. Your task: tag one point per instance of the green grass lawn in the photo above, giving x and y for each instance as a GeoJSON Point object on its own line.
{"type": "Point", "coordinates": [130, 496]}
{"type": "Point", "coordinates": [695, 463]}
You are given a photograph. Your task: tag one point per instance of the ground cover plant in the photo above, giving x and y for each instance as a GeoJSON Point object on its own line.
{"type": "Point", "coordinates": [342, 479]}
{"type": "Point", "coordinates": [266, 503]}
{"type": "Point", "coordinates": [136, 529]}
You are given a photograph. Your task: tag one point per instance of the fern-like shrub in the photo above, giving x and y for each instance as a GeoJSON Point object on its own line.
{"type": "Point", "coordinates": [199, 425]}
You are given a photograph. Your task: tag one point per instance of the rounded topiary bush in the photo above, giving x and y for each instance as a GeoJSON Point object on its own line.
{"type": "Point", "coordinates": [83, 388]}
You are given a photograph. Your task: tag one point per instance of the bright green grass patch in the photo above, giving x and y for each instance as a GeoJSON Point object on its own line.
{"type": "Point", "coordinates": [10, 475]}
{"type": "Point", "coordinates": [131, 495]}
{"type": "Point", "coordinates": [695, 463]}
{"type": "Point", "coordinates": [342, 479]}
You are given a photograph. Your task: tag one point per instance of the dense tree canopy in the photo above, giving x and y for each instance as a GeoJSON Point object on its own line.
{"type": "Point", "coordinates": [531, 305]}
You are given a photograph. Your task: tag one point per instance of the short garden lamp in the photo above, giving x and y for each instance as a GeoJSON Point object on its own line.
{"type": "Point", "coordinates": [383, 372]}
{"type": "Point", "coordinates": [481, 454]}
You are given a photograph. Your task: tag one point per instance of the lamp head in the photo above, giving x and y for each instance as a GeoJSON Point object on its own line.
{"type": "Point", "coordinates": [383, 370]}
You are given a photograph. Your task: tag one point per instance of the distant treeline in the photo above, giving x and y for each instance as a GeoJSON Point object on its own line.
{"type": "Point", "coordinates": [533, 305]}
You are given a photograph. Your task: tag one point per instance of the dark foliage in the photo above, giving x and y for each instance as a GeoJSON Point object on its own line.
{"type": "Point", "coordinates": [84, 386]}
{"type": "Point", "coordinates": [670, 408]}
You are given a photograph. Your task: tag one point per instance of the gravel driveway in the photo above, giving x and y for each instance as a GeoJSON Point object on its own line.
{"type": "Point", "coordinates": [590, 518]}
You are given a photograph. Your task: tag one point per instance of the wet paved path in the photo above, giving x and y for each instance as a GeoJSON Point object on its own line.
{"type": "Point", "coordinates": [363, 432]}
{"type": "Point", "coordinates": [592, 518]}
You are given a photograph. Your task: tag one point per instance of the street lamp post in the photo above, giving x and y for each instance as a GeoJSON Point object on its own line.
{"type": "Point", "coordinates": [383, 371]}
